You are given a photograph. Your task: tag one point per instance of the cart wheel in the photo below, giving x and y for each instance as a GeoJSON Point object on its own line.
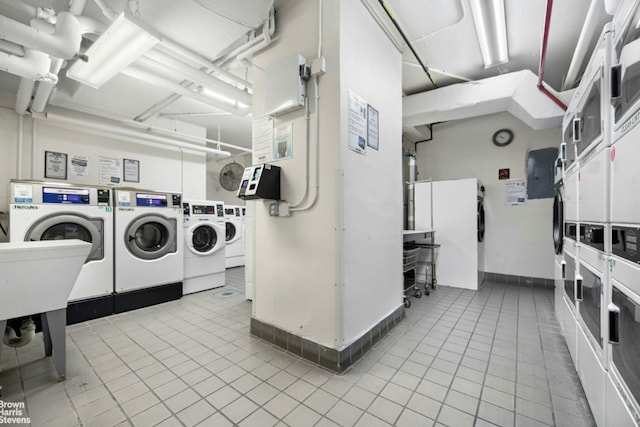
{"type": "Point", "coordinates": [407, 303]}
{"type": "Point", "coordinates": [418, 294]}
{"type": "Point", "coordinates": [433, 284]}
{"type": "Point", "coordinates": [426, 291]}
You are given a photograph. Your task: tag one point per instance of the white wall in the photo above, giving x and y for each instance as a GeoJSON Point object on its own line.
{"type": "Point", "coordinates": [371, 67]}
{"type": "Point", "coordinates": [297, 258]}
{"type": "Point", "coordinates": [518, 239]}
{"type": "Point", "coordinates": [162, 168]}
{"type": "Point", "coordinates": [332, 272]}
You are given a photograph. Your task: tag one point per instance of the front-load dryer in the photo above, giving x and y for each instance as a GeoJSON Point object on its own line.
{"type": "Point", "coordinates": [53, 211]}
{"type": "Point", "coordinates": [234, 236]}
{"type": "Point", "coordinates": [148, 243]}
{"type": "Point", "coordinates": [204, 245]}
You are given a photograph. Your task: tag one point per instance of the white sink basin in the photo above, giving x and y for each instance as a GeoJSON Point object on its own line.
{"type": "Point", "coordinates": [36, 277]}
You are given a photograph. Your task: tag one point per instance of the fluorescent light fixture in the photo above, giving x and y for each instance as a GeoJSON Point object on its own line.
{"type": "Point", "coordinates": [211, 94]}
{"type": "Point", "coordinates": [491, 29]}
{"type": "Point", "coordinates": [122, 43]}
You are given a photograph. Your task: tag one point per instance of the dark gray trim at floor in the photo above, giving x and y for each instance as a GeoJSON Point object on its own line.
{"type": "Point", "coordinates": [330, 358]}
{"type": "Point", "coordinates": [520, 280]}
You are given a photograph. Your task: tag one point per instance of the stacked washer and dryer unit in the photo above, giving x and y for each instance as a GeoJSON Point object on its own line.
{"type": "Point", "coordinates": [597, 261]}
{"type": "Point", "coordinates": [205, 245]}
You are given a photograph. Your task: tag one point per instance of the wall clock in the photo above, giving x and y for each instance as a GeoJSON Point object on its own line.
{"type": "Point", "coordinates": [502, 137]}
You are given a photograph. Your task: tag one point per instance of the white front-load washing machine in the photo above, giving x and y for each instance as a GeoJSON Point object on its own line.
{"type": "Point", "coordinates": [204, 245]}
{"type": "Point", "coordinates": [234, 236]}
{"type": "Point", "coordinates": [53, 211]}
{"type": "Point", "coordinates": [148, 243]}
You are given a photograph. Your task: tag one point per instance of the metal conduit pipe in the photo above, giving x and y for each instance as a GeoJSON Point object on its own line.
{"type": "Point", "coordinates": [113, 129]}
{"type": "Point", "coordinates": [174, 49]}
{"type": "Point", "coordinates": [543, 54]}
{"type": "Point", "coordinates": [155, 59]}
{"type": "Point", "coordinates": [146, 76]}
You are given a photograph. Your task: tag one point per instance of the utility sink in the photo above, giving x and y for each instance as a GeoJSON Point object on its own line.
{"type": "Point", "coordinates": [37, 277]}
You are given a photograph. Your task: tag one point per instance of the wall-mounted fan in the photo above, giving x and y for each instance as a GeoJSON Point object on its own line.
{"type": "Point", "coordinates": [230, 176]}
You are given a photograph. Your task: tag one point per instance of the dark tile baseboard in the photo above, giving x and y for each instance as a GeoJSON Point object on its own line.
{"type": "Point", "coordinates": [330, 358]}
{"type": "Point", "coordinates": [520, 280]}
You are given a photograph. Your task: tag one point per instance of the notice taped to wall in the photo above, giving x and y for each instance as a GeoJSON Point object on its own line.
{"type": "Point", "coordinates": [357, 124]}
{"type": "Point", "coordinates": [515, 192]}
{"type": "Point", "coordinates": [282, 142]}
{"type": "Point", "coordinates": [79, 165]}
{"type": "Point", "coordinates": [262, 140]}
{"type": "Point", "coordinates": [109, 170]}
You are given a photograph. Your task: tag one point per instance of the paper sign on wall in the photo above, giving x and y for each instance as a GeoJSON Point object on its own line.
{"type": "Point", "coordinates": [79, 165]}
{"type": "Point", "coordinates": [373, 127]}
{"type": "Point", "coordinates": [357, 124]}
{"type": "Point", "coordinates": [262, 142]}
{"type": "Point", "coordinates": [282, 145]}
{"type": "Point", "coordinates": [514, 192]}
{"type": "Point", "coordinates": [109, 170]}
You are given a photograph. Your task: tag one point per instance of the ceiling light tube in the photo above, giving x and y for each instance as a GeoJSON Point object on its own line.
{"type": "Point", "coordinates": [122, 43]}
{"type": "Point", "coordinates": [491, 29]}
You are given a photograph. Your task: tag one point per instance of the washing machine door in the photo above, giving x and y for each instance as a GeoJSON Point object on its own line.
{"type": "Point", "coordinates": [71, 226]}
{"type": "Point", "coordinates": [558, 221]}
{"type": "Point", "coordinates": [232, 233]}
{"type": "Point", "coordinates": [480, 221]}
{"type": "Point", "coordinates": [205, 238]}
{"type": "Point", "coordinates": [151, 236]}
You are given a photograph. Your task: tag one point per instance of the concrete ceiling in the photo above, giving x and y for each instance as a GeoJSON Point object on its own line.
{"type": "Point", "coordinates": [441, 31]}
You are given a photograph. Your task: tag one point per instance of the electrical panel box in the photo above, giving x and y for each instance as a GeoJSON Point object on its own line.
{"type": "Point", "coordinates": [286, 88]}
{"type": "Point", "coordinates": [260, 182]}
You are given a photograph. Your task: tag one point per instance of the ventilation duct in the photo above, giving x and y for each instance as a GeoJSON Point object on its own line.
{"type": "Point", "coordinates": [515, 93]}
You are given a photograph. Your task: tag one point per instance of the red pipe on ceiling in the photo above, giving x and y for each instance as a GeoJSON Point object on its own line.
{"type": "Point", "coordinates": [543, 54]}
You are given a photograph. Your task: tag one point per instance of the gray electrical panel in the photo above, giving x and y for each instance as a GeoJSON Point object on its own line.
{"type": "Point", "coordinates": [540, 173]}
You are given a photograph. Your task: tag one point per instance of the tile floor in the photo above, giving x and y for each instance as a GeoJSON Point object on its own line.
{"type": "Point", "coordinates": [461, 358]}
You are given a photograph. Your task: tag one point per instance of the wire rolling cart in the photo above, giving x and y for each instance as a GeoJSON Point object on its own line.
{"type": "Point", "coordinates": [409, 262]}
{"type": "Point", "coordinates": [426, 262]}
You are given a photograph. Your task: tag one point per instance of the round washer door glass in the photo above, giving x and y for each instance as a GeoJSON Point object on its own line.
{"type": "Point", "coordinates": [70, 226]}
{"type": "Point", "coordinates": [558, 222]}
{"type": "Point", "coordinates": [480, 221]}
{"type": "Point", "coordinates": [230, 231]}
{"type": "Point", "coordinates": [151, 237]}
{"type": "Point", "coordinates": [204, 238]}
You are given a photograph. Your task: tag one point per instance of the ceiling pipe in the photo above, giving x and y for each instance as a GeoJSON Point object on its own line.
{"type": "Point", "coordinates": [45, 88]}
{"type": "Point", "coordinates": [109, 13]}
{"type": "Point", "coordinates": [33, 65]}
{"type": "Point", "coordinates": [12, 48]}
{"type": "Point", "coordinates": [160, 60]}
{"type": "Point", "coordinates": [23, 96]}
{"type": "Point", "coordinates": [141, 74]}
{"type": "Point", "coordinates": [596, 8]}
{"type": "Point", "coordinates": [65, 43]}
{"type": "Point", "coordinates": [116, 129]}
{"type": "Point", "coordinates": [251, 46]}
{"type": "Point", "coordinates": [543, 54]}
{"type": "Point", "coordinates": [76, 7]}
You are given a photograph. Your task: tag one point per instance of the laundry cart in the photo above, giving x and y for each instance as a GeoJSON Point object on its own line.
{"type": "Point", "coordinates": [426, 265]}
{"type": "Point", "coordinates": [409, 262]}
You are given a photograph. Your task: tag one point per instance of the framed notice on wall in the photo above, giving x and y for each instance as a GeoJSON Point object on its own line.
{"type": "Point", "coordinates": [131, 172]}
{"type": "Point", "coordinates": [55, 165]}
